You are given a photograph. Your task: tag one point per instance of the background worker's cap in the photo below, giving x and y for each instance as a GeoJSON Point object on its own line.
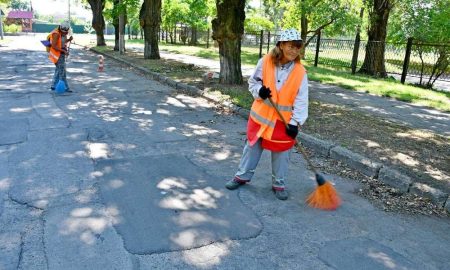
{"type": "Point", "coordinates": [289, 35]}
{"type": "Point", "coordinates": [64, 26]}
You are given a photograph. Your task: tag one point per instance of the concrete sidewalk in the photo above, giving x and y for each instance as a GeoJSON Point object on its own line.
{"type": "Point", "coordinates": [415, 116]}
{"type": "Point", "coordinates": [128, 173]}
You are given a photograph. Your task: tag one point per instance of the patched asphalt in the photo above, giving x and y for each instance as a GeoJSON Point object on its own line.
{"type": "Point", "coordinates": [128, 173]}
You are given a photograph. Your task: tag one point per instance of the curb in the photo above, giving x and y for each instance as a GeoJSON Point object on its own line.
{"type": "Point", "coordinates": [328, 149]}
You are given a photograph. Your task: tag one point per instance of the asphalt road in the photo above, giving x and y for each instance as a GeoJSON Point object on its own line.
{"type": "Point", "coordinates": [127, 173]}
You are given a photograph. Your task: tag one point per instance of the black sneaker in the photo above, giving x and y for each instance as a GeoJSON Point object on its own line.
{"type": "Point", "coordinates": [68, 90]}
{"type": "Point", "coordinates": [52, 88]}
{"type": "Point", "coordinates": [281, 194]}
{"type": "Point", "coordinates": [235, 183]}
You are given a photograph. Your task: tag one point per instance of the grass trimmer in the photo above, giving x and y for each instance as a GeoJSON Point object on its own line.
{"type": "Point", "coordinates": [325, 195]}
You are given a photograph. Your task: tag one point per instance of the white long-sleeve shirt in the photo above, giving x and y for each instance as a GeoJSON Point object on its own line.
{"type": "Point", "coordinates": [300, 107]}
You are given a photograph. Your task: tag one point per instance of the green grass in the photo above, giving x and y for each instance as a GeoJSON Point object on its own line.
{"type": "Point", "coordinates": [234, 94]}
{"type": "Point", "coordinates": [332, 75]}
{"type": "Point", "coordinates": [381, 87]}
{"type": "Point", "coordinates": [103, 48]}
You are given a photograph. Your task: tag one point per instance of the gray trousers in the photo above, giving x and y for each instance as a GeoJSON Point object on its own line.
{"type": "Point", "coordinates": [60, 71]}
{"type": "Point", "coordinates": [250, 158]}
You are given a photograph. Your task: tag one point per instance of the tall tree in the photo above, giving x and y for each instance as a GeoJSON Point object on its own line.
{"type": "Point", "coordinates": [114, 14]}
{"type": "Point", "coordinates": [150, 19]}
{"type": "Point", "coordinates": [426, 22]}
{"type": "Point", "coordinates": [338, 17]}
{"type": "Point", "coordinates": [256, 20]}
{"type": "Point", "coordinates": [197, 18]}
{"type": "Point", "coordinates": [274, 10]}
{"type": "Point", "coordinates": [115, 19]}
{"type": "Point", "coordinates": [378, 20]}
{"type": "Point", "coordinates": [228, 28]}
{"type": "Point", "coordinates": [173, 12]}
{"type": "Point", "coordinates": [19, 4]}
{"type": "Point", "coordinates": [98, 22]}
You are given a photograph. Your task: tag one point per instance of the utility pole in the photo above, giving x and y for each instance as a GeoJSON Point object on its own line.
{"type": "Point", "coordinates": [1, 23]}
{"type": "Point", "coordinates": [68, 2]}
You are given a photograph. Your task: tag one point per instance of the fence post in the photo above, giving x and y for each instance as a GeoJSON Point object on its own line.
{"type": "Point", "coordinates": [355, 52]}
{"type": "Point", "coordinates": [207, 40]}
{"type": "Point", "coordinates": [406, 61]}
{"type": "Point", "coordinates": [268, 41]}
{"type": "Point", "coordinates": [261, 43]}
{"type": "Point", "coordinates": [316, 58]}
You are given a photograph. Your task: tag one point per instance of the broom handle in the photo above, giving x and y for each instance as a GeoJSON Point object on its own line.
{"type": "Point", "coordinates": [68, 49]}
{"type": "Point", "coordinates": [297, 144]}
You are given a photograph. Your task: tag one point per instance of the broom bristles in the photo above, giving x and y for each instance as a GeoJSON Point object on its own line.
{"type": "Point", "coordinates": [324, 197]}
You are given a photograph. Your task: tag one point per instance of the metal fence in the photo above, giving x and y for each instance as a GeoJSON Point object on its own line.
{"type": "Point", "coordinates": [424, 61]}
{"type": "Point", "coordinates": [48, 27]}
{"type": "Point", "coordinates": [430, 58]}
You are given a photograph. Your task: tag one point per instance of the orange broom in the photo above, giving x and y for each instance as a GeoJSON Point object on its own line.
{"type": "Point", "coordinates": [325, 196]}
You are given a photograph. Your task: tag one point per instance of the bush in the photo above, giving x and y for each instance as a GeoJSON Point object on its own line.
{"type": "Point", "coordinates": [13, 28]}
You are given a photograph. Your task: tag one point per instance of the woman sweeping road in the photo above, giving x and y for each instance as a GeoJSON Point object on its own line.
{"type": "Point", "coordinates": [58, 54]}
{"type": "Point", "coordinates": [280, 76]}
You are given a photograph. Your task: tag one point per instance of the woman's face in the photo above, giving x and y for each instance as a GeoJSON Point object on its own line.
{"type": "Point", "coordinates": [290, 50]}
{"type": "Point", "coordinates": [64, 31]}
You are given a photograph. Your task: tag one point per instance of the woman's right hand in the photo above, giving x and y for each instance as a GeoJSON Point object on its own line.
{"type": "Point", "coordinates": [264, 92]}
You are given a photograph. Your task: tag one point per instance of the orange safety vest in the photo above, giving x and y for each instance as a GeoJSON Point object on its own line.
{"type": "Point", "coordinates": [264, 121]}
{"type": "Point", "coordinates": [53, 54]}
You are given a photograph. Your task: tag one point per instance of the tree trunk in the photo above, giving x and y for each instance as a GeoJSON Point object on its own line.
{"type": "Point", "coordinates": [171, 36]}
{"type": "Point", "coordinates": [303, 33]}
{"type": "Point", "coordinates": [121, 30]}
{"type": "Point", "coordinates": [150, 18]}
{"type": "Point", "coordinates": [116, 25]}
{"type": "Point", "coordinates": [304, 26]}
{"type": "Point", "coordinates": [98, 22]}
{"type": "Point", "coordinates": [228, 29]}
{"type": "Point", "coordinates": [116, 34]}
{"type": "Point", "coordinates": [194, 40]}
{"type": "Point", "coordinates": [440, 66]}
{"type": "Point", "coordinates": [378, 18]}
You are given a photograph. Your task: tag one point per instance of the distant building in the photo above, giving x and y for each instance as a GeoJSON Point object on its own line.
{"type": "Point", "coordinates": [20, 17]}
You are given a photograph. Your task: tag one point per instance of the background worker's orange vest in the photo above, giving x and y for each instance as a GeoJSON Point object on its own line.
{"type": "Point", "coordinates": [263, 121]}
{"type": "Point", "coordinates": [53, 54]}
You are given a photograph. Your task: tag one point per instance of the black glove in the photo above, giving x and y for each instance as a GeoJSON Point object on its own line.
{"type": "Point", "coordinates": [264, 92]}
{"type": "Point", "coordinates": [292, 131]}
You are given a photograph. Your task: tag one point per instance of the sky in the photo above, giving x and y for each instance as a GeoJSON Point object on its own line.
{"type": "Point", "coordinates": [60, 7]}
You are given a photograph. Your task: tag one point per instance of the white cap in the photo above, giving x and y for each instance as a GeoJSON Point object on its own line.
{"type": "Point", "coordinates": [64, 26]}
{"type": "Point", "coordinates": [289, 35]}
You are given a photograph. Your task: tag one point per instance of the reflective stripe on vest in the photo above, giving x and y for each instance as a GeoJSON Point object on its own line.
{"type": "Point", "coordinates": [263, 117]}
{"type": "Point", "coordinates": [53, 54]}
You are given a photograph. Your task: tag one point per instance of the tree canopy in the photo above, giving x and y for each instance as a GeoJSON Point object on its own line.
{"type": "Point", "coordinates": [17, 4]}
{"type": "Point", "coordinates": [424, 20]}
{"type": "Point", "coordinates": [384, 20]}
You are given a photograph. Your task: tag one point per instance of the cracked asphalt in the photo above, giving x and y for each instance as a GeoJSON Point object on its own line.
{"type": "Point", "coordinates": [128, 173]}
